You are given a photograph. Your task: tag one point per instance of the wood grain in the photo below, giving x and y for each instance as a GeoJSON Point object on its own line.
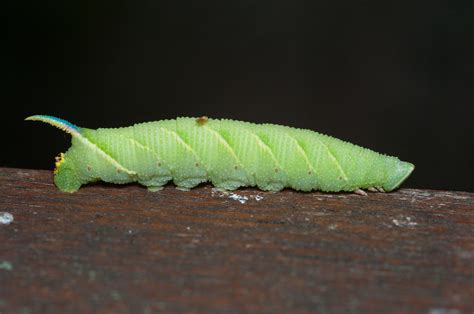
{"type": "Point", "coordinates": [122, 249]}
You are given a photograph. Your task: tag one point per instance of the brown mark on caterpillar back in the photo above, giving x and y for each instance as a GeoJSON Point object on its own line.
{"type": "Point", "coordinates": [202, 120]}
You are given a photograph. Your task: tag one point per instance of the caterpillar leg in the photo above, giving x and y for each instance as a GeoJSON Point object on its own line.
{"type": "Point", "coordinates": [181, 188]}
{"type": "Point", "coordinates": [271, 186]}
{"type": "Point", "coordinates": [187, 184]}
{"type": "Point", "coordinates": [154, 183]}
{"type": "Point", "coordinates": [154, 188]}
{"type": "Point", "coordinates": [360, 192]}
{"type": "Point", "coordinates": [376, 189]}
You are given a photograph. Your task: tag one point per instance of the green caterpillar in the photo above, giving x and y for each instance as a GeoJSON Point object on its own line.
{"type": "Point", "coordinates": [228, 153]}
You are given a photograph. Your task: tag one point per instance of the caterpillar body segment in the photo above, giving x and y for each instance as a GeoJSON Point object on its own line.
{"type": "Point", "coordinates": [228, 153]}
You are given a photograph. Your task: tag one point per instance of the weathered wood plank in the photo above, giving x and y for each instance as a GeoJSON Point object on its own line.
{"type": "Point", "coordinates": [113, 249]}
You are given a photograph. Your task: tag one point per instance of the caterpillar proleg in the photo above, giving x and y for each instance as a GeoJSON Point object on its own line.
{"type": "Point", "coordinates": [228, 153]}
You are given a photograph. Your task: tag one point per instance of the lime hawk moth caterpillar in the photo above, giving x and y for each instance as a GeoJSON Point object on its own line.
{"type": "Point", "coordinates": [228, 153]}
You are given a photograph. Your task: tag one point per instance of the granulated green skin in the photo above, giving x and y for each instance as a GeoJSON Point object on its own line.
{"type": "Point", "coordinates": [228, 153]}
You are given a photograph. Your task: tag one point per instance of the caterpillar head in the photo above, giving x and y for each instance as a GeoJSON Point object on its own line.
{"type": "Point", "coordinates": [65, 175]}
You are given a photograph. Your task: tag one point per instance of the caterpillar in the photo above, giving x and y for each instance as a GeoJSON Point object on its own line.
{"type": "Point", "coordinates": [228, 153]}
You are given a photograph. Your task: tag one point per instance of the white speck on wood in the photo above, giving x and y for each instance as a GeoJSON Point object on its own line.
{"type": "Point", "coordinates": [216, 192]}
{"type": "Point", "coordinates": [241, 198]}
{"type": "Point", "coordinates": [6, 218]}
{"type": "Point", "coordinates": [404, 222]}
{"type": "Point", "coordinates": [444, 311]}
{"type": "Point", "coordinates": [5, 265]}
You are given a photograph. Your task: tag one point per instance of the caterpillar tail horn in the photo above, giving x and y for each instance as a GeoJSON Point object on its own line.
{"type": "Point", "coordinates": [61, 124]}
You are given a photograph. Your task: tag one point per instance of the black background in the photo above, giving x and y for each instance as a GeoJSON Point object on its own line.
{"type": "Point", "coordinates": [394, 77]}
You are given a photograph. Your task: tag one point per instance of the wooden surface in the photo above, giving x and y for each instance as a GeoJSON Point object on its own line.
{"type": "Point", "coordinates": [115, 249]}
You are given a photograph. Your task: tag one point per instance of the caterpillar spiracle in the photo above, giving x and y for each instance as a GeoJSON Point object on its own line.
{"type": "Point", "coordinates": [230, 154]}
